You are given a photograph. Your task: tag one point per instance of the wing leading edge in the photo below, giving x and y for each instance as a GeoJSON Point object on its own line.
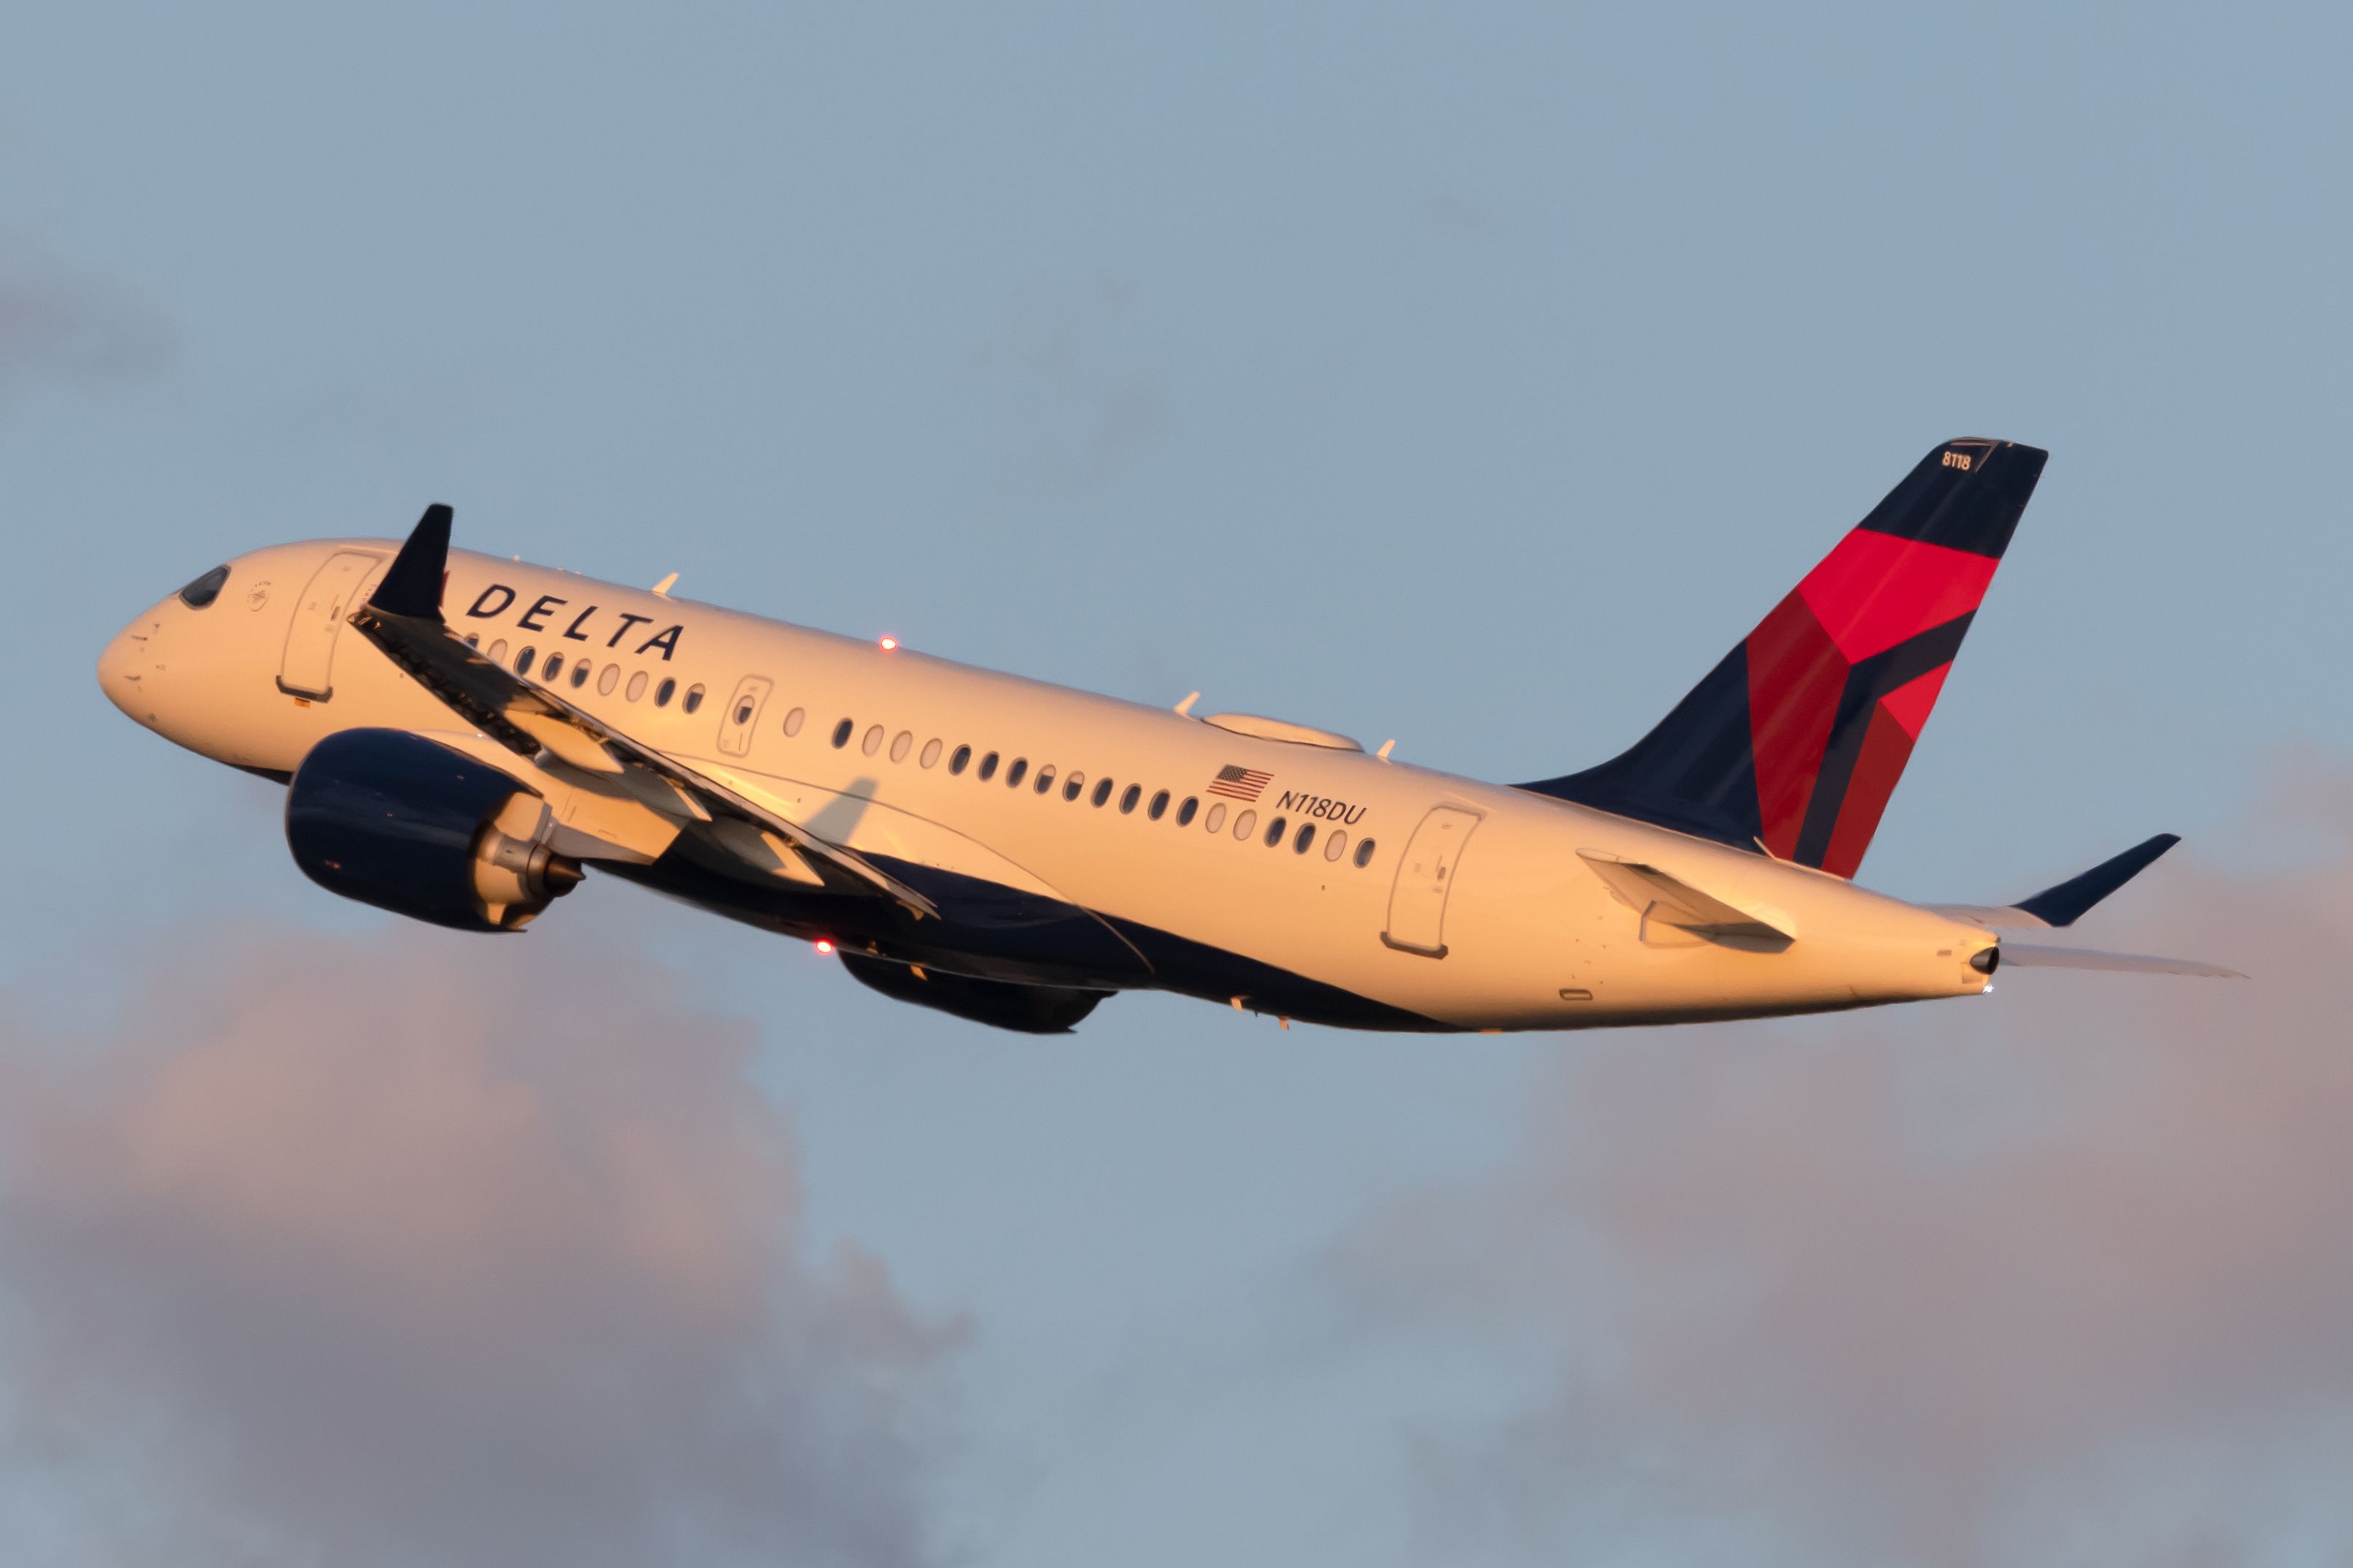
{"type": "Point", "coordinates": [403, 618]}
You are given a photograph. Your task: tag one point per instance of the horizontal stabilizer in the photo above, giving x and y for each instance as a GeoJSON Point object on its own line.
{"type": "Point", "coordinates": [2060, 906]}
{"type": "Point", "coordinates": [1657, 895]}
{"type": "Point", "coordinates": [2066, 903]}
{"type": "Point", "coordinates": [2016, 956]}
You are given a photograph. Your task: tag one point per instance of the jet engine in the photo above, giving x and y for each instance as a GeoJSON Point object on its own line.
{"type": "Point", "coordinates": [408, 825]}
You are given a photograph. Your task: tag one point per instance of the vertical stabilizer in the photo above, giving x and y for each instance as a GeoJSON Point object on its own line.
{"type": "Point", "coordinates": [1794, 743]}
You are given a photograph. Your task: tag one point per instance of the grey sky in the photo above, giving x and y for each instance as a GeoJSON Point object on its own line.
{"type": "Point", "coordinates": [1472, 375]}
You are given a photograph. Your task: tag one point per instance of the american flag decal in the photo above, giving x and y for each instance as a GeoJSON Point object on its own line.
{"type": "Point", "coordinates": [1239, 784]}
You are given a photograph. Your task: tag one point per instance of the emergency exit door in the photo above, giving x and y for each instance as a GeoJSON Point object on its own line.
{"type": "Point", "coordinates": [742, 712]}
{"type": "Point", "coordinates": [308, 669]}
{"type": "Point", "coordinates": [1425, 877]}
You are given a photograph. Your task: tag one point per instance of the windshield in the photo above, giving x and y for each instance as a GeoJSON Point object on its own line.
{"type": "Point", "coordinates": [204, 589]}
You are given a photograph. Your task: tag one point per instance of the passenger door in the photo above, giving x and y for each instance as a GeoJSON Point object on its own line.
{"type": "Point", "coordinates": [743, 713]}
{"type": "Point", "coordinates": [1425, 876]}
{"type": "Point", "coordinates": [308, 668]}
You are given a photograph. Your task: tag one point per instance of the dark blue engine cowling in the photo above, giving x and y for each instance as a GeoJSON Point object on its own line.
{"type": "Point", "coordinates": [407, 825]}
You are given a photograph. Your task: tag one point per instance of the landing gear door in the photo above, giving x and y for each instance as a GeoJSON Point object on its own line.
{"type": "Point", "coordinates": [743, 713]}
{"type": "Point", "coordinates": [336, 588]}
{"type": "Point", "coordinates": [1425, 876]}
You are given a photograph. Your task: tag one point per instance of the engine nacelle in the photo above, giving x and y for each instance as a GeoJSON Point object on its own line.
{"type": "Point", "coordinates": [408, 825]}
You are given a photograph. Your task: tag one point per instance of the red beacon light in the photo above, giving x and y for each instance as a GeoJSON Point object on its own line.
{"type": "Point", "coordinates": [889, 642]}
{"type": "Point", "coordinates": [825, 947]}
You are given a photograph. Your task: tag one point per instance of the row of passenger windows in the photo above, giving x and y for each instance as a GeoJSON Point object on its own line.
{"type": "Point", "coordinates": [551, 671]}
{"type": "Point", "coordinates": [1074, 785]}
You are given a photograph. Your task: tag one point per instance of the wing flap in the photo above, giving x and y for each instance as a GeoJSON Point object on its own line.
{"type": "Point", "coordinates": [567, 741]}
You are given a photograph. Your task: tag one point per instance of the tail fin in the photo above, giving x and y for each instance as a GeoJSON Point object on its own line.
{"type": "Point", "coordinates": [1794, 743]}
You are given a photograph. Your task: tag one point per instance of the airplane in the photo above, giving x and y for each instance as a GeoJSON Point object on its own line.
{"type": "Point", "coordinates": [463, 737]}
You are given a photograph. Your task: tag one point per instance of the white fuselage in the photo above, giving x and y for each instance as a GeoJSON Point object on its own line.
{"type": "Point", "coordinates": [1457, 904]}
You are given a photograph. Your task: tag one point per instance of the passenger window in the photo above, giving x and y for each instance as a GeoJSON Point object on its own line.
{"type": "Point", "coordinates": [663, 692]}
{"type": "Point", "coordinates": [1216, 817]}
{"type": "Point", "coordinates": [931, 753]}
{"type": "Point", "coordinates": [989, 767]}
{"type": "Point", "coordinates": [554, 668]}
{"type": "Point", "coordinates": [743, 713]}
{"type": "Point", "coordinates": [498, 654]}
{"type": "Point", "coordinates": [1333, 842]}
{"type": "Point", "coordinates": [1045, 778]}
{"type": "Point", "coordinates": [901, 745]}
{"type": "Point", "coordinates": [610, 679]}
{"type": "Point", "coordinates": [637, 685]}
{"type": "Point", "coordinates": [841, 735]}
{"type": "Point", "coordinates": [1363, 852]}
{"type": "Point", "coordinates": [1185, 812]}
{"type": "Point", "coordinates": [1013, 775]}
{"type": "Point", "coordinates": [1243, 824]}
{"type": "Point", "coordinates": [473, 639]}
{"type": "Point", "coordinates": [793, 721]}
{"type": "Point", "coordinates": [580, 674]}
{"type": "Point", "coordinates": [872, 742]}
{"type": "Point", "coordinates": [1128, 798]}
{"type": "Point", "coordinates": [523, 660]}
{"type": "Point", "coordinates": [1075, 785]}
{"type": "Point", "coordinates": [1158, 808]}
{"type": "Point", "coordinates": [1274, 833]}
{"type": "Point", "coordinates": [693, 699]}
{"type": "Point", "coordinates": [1102, 791]}
{"type": "Point", "coordinates": [1299, 846]}
{"type": "Point", "coordinates": [963, 756]}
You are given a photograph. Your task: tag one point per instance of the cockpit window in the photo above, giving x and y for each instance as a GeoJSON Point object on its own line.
{"type": "Point", "coordinates": [204, 589]}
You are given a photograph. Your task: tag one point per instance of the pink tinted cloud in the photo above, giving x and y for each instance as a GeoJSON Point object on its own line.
{"type": "Point", "coordinates": [1982, 1281]}
{"type": "Point", "coordinates": [430, 1249]}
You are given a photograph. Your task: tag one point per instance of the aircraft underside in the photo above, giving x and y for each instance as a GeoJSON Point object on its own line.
{"type": "Point", "coordinates": [1005, 942]}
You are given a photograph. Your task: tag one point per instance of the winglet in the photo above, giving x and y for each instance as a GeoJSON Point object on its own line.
{"type": "Point", "coordinates": [2064, 904]}
{"type": "Point", "coordinates": [413, 585]}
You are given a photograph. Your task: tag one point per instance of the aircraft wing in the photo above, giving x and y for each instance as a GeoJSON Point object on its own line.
{"type": "Point", "coordinates": [402, 617]}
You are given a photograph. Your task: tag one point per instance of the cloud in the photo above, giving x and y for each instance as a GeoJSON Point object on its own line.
{"type": "Point", "coordinates": [414, 1250]}
{"type": "Point", "coordinates": [2062, 1275]}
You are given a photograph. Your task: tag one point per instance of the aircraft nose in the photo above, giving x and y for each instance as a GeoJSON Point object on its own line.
{"type": "Point", "coordinates": [123, 668]}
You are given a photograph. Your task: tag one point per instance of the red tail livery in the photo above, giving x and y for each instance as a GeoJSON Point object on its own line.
{"type": "Point", "coordinates": [1794, 742]}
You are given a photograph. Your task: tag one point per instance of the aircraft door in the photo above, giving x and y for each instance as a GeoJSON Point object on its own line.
{"type": "Point", "coordinates": [1425, 876]}
{"type": "Point", "coordinates": [742, 713]}
{"type": "Point", "coordinates": [309, 663]}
